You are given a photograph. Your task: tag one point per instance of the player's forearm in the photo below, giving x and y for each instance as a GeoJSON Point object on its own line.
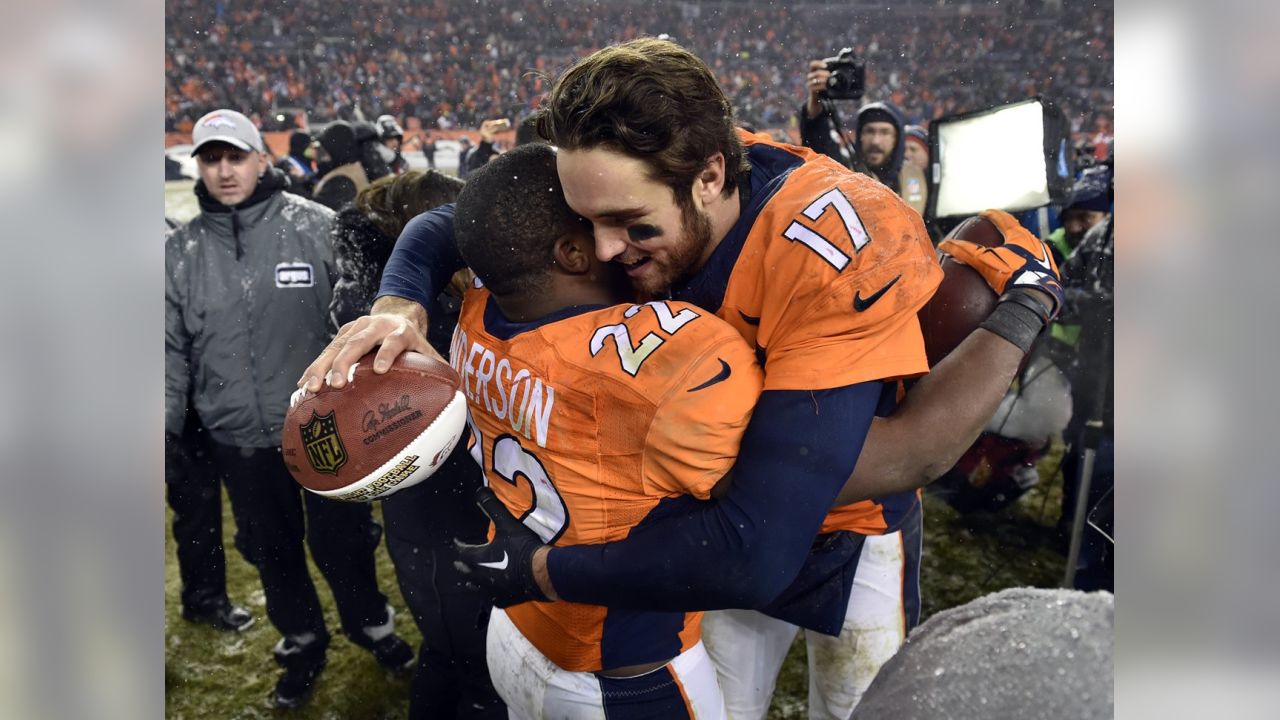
{"type": "Point", "coordinates": [745, 548]}
{"type": "Point", "coordinates": [424, 257]}
{"type": "Point", "coordinates": [408, 309]}
{"type": "Point", "coordinates": [701, 558]}
{"type": "Point", "coordinates": [940, 418]}
{"type": "Point", "coordinates": [542, 575]}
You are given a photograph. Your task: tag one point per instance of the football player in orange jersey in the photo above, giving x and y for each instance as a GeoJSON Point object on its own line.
{"type": "Point", "coordinates": [583, 434]}
{"type": "Point", "coordinates": [823, 271]}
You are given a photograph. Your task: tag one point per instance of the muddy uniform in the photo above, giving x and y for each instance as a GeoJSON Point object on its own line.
{"type": "Point", "coordinates": [823, 273]}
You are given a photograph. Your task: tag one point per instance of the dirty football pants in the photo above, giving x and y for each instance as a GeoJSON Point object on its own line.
{"type": "Point", "coordinates": [748, 647]}
{"type": "Point", "coordinates": [534, 688]}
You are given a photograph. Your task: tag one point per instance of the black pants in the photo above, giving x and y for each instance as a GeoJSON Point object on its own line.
{"type": "Point", "coordinates": [342, 537]}
{"type": "Point", "coordinates": [1095, 569]}
{"type": "Point", "coordinates": [452, 677]}
{"type": "Point", "coordinates": [194, 492]}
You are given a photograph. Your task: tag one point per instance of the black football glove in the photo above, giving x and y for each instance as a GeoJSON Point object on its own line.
{"type": "Point", "coordinates": [502, 569]}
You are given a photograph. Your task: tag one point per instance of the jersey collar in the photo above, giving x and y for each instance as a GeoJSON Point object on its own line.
{"type": "Point", "coordinates": [497, 324]}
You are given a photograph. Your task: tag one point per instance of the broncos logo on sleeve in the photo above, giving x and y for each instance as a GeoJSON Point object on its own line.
{"type": "Point", "coordinates": [583, 422]}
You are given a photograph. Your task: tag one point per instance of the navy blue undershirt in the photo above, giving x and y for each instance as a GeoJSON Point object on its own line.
{"type": "Point", "coordinates": [799, 449]}
{"type": "Point", "coordinates": [424, 258]}
{"type": "Point", "coordinates": [744, 549]}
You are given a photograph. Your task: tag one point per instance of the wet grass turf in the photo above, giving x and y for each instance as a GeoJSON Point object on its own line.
{"type": "Point", "coordinates": [209, 674]}
{"type": "Point", "coordinates": [965, 557]}
{"type": "Point", "coordinates": [218, 675]}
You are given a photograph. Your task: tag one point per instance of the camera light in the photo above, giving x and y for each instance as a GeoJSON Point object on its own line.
{"type": "Point", "coordinates": [996, 159]}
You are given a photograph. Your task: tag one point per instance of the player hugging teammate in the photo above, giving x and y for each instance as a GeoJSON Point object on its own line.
{"type": "Point", "coordinates": [781, 258]}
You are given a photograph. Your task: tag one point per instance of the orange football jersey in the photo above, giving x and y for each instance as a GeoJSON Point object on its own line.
{"type": "Point", "coordinates": [584, 422]}
{"type": "Point", "coordinates": [823, 273]}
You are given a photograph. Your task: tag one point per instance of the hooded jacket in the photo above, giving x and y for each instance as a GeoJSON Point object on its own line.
{"type": "Point", "coordinates": [883, 112]}
{"type": "Point", "coordinates": [247, 292]}
{"type": "Point", "coordinates": [342, 177]}
{"type": "Point", "coordinates": [905, 180]}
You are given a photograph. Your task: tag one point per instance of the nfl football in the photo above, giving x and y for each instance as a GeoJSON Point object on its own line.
{"type": "Point", "coordinates": [378, 433]}
{"type": "Point", "coordinates": [963, 299]}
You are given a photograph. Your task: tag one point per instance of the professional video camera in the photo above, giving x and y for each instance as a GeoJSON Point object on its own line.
{"type": "Point", "coordinates": [848, 80]}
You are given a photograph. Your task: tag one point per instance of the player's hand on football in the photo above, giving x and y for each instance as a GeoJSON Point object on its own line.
{"type": "Point", "coordinates": [503, 568]}
{"type": "Point", "coordinates": [1022, 263]}
{"type": "Point", "coordinates": [396, 325]}
{"type": "Point", "coordinates": [816, 83]}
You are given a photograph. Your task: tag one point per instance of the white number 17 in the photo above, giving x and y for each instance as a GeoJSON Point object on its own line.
{"type": "Point", "coordinates": [823, 247]}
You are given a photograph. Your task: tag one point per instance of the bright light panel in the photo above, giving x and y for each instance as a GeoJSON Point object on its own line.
{"type": "Point", "coordinates": [992, 161]}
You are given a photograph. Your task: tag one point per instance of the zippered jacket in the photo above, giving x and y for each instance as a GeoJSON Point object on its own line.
{"type": "Point", "coordinates": [247, 293]}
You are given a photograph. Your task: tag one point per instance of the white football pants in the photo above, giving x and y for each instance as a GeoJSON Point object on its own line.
{"type": "Point", "coordinates": [748, 647]}
{"type": "Point", "coordinates": [534, 688]}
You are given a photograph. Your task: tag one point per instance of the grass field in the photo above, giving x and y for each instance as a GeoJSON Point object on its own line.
{"type": "Point", "coordinates": [214, 675]}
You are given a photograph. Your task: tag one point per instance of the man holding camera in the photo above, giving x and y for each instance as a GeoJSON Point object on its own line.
{"type": "Point", "coordinates": [877, 145]}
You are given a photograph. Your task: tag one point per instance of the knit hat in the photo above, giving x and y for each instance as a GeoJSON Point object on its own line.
{"type": "Point", "coordinates": [299, 141]}
{"type": "Point", "coordinates": [876, 112]}
{"type": "Point", "coordinates": [339, 140]}
{"type": "Point", "coordinates": [917, 134]}
{"type": "Point", "coordinates": [1091, 191]}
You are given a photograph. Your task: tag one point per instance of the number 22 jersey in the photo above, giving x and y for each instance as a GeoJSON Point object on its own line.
{"type": "Point", "coordinates": [585, 422]}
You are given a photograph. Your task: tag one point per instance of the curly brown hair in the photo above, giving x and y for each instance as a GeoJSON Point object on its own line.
{"type": "Point", "coordinates": [650, 99]}
{"type": "Point", "coordinates": [392, 201]}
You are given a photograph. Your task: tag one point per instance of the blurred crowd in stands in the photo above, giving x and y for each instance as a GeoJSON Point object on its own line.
{"type": "Point", "coordinates": [452, 65]}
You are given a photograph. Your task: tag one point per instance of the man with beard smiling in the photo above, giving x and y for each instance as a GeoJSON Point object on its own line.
{"type": "Point", "coordinates": [823, 271]}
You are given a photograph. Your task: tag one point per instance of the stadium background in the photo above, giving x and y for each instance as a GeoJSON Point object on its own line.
{"type": "Point", "coordinates": [442, 67]}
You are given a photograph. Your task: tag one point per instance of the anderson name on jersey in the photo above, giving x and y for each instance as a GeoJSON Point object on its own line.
{"type": "Point", "coordinates": [585, 422]}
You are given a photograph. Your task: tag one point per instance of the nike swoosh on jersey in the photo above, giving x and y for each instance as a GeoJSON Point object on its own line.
{"type": "Point", "coordinates": [860, 304]}
{"type": "Point", "coordinates": [499, 565]}
{"type": "Point", "coordinates": [749, 319]}
{"type": "Point", "coordinates": [725, 372]}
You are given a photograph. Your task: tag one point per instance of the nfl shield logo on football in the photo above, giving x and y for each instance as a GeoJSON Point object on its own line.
{"type": "Point", "coordinates": [324, 447]}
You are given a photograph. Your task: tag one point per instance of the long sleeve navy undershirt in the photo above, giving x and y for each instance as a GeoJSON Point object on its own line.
{"type": "Point", "coordinates": [744, 549]}
{"type": "Point", "coordinates": [424, 258]}
{"type": "Point", "coordinates": [740, 551]}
